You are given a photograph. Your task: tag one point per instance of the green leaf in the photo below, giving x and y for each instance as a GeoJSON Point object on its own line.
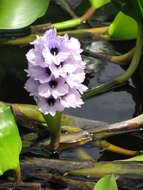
{"type": "Point", "coordinates": [132, 8]}
{"type": "Point", "coordinates": [138, 158]}
{"type": "Point", "coordinates": [16, 14]}
{"type": "Point", "coordinates": [99, 3]}
{"type": "Point", "coordinates": [123, 27]}
{"type": "Point", "coordinates": [106, 183]}
{"type": "Point", "coordinates": [10, 142]}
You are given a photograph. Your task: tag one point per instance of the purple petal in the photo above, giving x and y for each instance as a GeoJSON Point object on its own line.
{"type": "Point", "coordinates": [76, 78]}
{"type": "Point", "coordinates": [38, 73]}
{"type": "Point", "coordinates": [32, 86]}
{"type": "Point", "coordinates": [50, 34]}
{"type": "Point", "coordinates": [44, 90]}
{"type": "Point", "coordinates": [46, 109]}
{"type": "Point", "coordinates": [61, 89]}
{"type": "Point", "coordinates": [73, 99]}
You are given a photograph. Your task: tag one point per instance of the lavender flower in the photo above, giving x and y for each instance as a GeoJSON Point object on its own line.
{"type": "Point", "coordinates": [56, 72]}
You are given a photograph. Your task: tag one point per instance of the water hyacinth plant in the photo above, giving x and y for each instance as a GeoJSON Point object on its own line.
{"type": "Point", "coordinates": [56, 72]}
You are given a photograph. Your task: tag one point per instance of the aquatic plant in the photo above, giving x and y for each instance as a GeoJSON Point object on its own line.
{"type": "Point", "coordinates": [56, 72]}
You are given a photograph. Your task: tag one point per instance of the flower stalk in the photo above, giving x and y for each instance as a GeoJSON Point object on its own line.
{"type": "Point", "coordinates": [54, 125]}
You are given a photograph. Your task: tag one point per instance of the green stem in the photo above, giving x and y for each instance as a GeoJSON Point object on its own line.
{"type": "Point", "coordinates": [76, 21]}
{"type": "Point", "coordinates": [67, 24]}
{"type": "Point", "coordinates": [54, 125]}
{"type": "Point", "coordinates": [126, 57]}
{"type": "Point", "coordinates": [127, 74]}
{"type": "Point", "coordinates": [18, 173]}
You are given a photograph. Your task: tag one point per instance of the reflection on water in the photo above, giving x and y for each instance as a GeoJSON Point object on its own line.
{"type": "Point", "coordinates": [109, 107]}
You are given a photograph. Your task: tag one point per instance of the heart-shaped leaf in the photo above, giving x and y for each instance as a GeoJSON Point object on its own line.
{"type": "Point", "coordinates": [123, 27]}
{"type": "Point", "coordinates": [98, 3]}
{"type": "Point", "coordinates": [106, 183]}
{"type": "Point", "coordinates": [16, 14]}
{"type": "Point", "coordinates": [10, 142]}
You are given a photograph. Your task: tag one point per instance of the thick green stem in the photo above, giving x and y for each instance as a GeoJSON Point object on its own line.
{"type": "Point", "coordinates": [67, 24]}
{"type": "Point", "coordinates": [54, 125]}
{"type": "Point", "coordinates": [124, 77]}
{"type": "Point", "coordinates": [76, 21]}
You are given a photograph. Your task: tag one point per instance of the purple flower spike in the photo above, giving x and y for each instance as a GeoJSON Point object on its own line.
{"type": "Point", "coordinates": [56, 72]}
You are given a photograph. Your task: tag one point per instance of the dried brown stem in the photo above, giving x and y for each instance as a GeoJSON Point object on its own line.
{"type": "Point", "coordinates": [62, 166]}
{"type": "Point", "coordinates": [22, 185]}
{"type": "Point", "coordinates": [99, 132]}
{"type": "Point", "coordinates": [60, 180]}
{"type": "Point", "coordinates": [126, 168]}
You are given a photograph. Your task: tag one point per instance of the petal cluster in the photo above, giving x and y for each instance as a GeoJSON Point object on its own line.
{"type": "Point", "coordinates": [56, 72]}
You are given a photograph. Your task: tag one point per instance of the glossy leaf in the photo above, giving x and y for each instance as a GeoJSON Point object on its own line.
{"type": "Point", "coordinates": [10, 142]}
{"type": "Point", "coordinates": [133, 8]}
{"type": "Point", "coordinates": [123, 27]}
{"type": "Point", "coordinates": [99, 3]}
{"type": "Point", "coordinates": [16, 14]}
{"type": "Point", "coordinates": [107, 182]}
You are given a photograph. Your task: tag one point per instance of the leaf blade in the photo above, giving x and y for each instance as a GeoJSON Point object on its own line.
{"type": "Point", "coordinates": [99, 3]}
{"type": "Point", "coordinates": [107, 182]}
{"type": "Point", "coordinates": [10, 142]}
{"type": "Point", "coordinates": [16, 14]}
{"type": "Point", "coordinates": [123, 27]}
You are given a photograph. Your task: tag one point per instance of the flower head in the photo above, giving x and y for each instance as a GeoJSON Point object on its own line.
{"type": "Point", "coordinates": [56, 72]}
